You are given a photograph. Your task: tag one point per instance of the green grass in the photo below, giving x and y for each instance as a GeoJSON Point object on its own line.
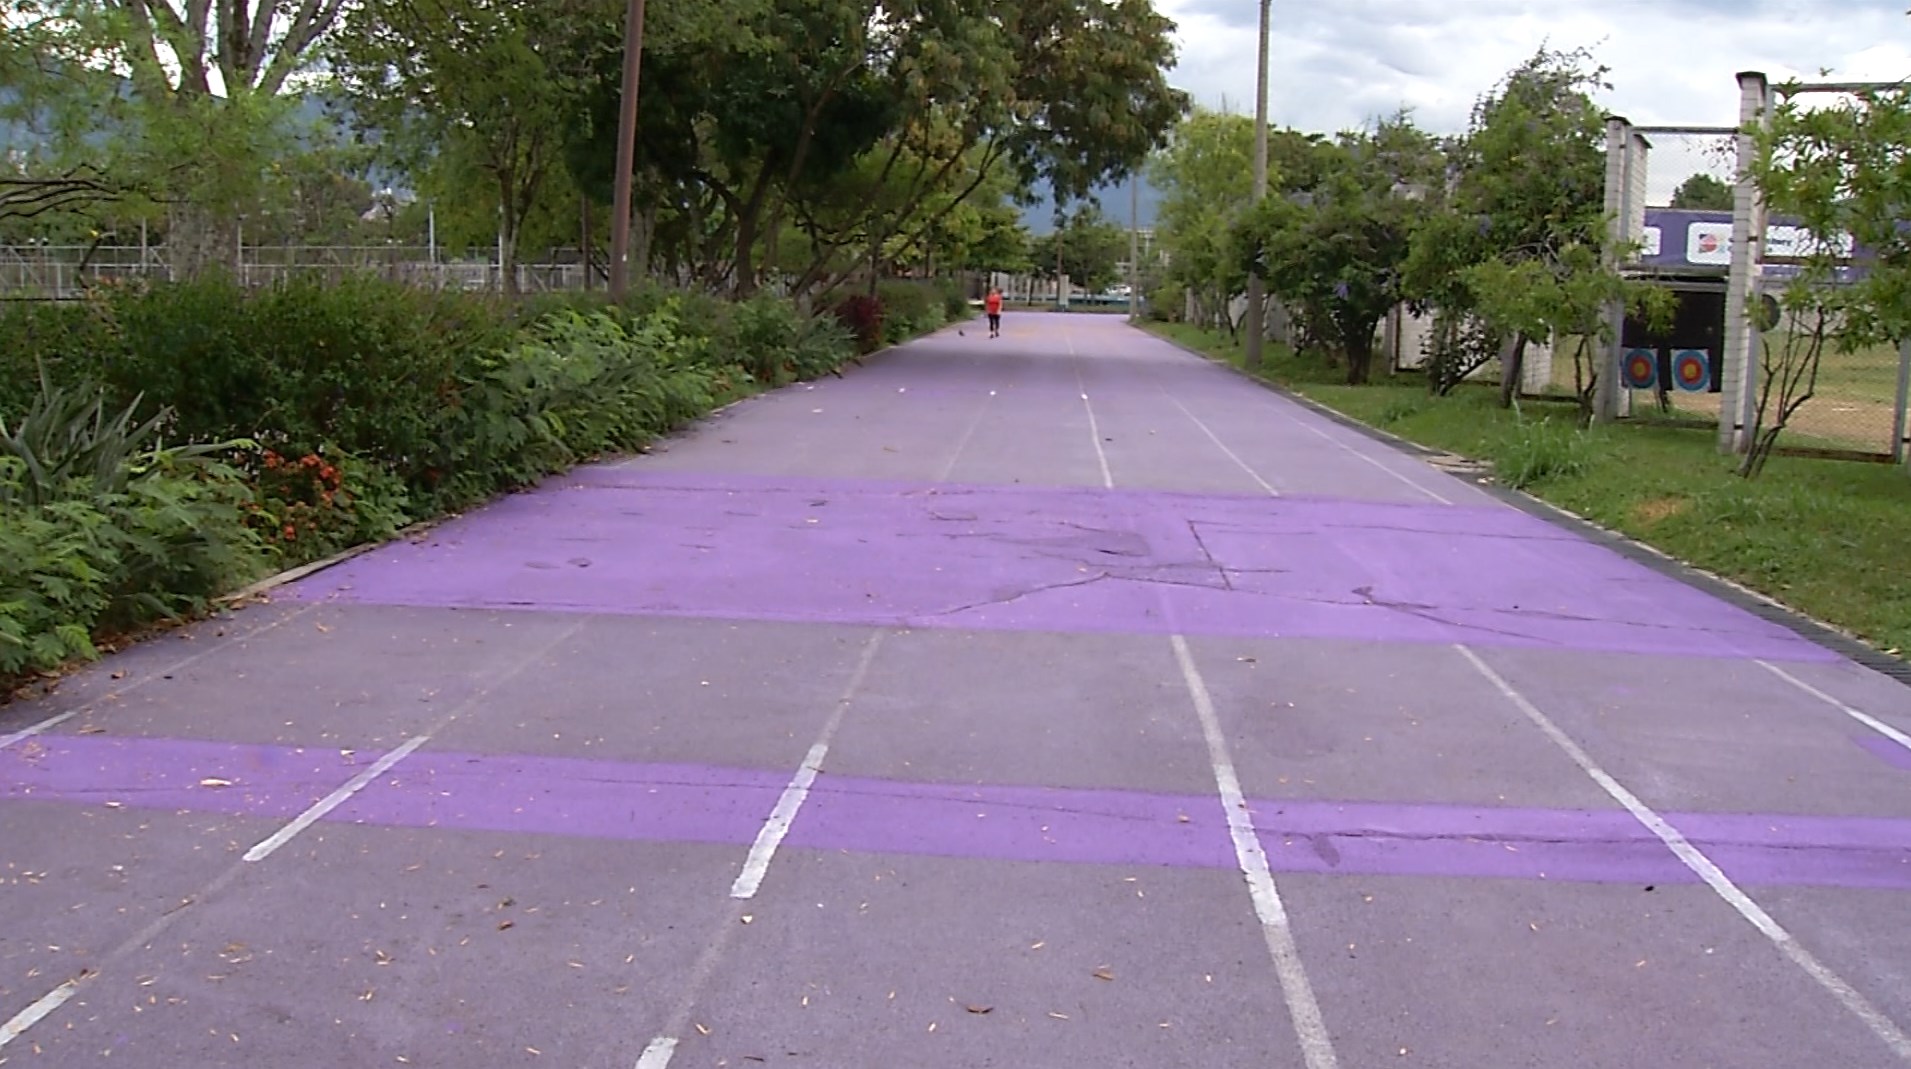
{"type": "Point", "coordinates": [1823, 536]}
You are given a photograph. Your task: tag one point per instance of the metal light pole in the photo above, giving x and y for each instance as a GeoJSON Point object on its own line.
{"type": "Point", "coordinates": [626, 152]}
{"type": "Point", "coordinates": [1256, 286]}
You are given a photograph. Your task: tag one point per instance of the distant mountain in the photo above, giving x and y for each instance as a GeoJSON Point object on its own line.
{"type": "Point", "coordinates": [1039, 217]}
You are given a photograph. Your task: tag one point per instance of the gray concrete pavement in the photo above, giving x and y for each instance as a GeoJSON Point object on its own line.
{"type": "Point", "coordinates": [1052, 700]}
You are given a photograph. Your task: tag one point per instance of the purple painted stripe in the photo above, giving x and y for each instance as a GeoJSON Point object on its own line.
{"type": "Point", "coordinates": [698, 803]}
{"type": "Point", "coordinates": [1059, 560]}
{"type": "Point", "coordinates": [1887, 751]}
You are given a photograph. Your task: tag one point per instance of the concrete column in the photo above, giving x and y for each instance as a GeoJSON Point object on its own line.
{"type": "Point", "coordinates": [1618, 218]}
{"type": "Point", "coordinates": [1738, 398]}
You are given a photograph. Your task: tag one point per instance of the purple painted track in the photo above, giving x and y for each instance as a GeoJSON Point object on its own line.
{"type": "Point", "coordinates": [922, 629]}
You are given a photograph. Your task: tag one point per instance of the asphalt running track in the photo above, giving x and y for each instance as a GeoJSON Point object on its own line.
{"type": "Point", "coordinates": [1060, 700]}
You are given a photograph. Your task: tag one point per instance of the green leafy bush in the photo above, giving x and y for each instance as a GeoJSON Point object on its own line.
{"type": "Point", "coordinates": [312, 506]}
{"type": "Point", "coordinates": [909, 309]}
{"type": "Point", "coordinates": [89, 563]}
{"type": "Point", "coordinates": [66, 436]}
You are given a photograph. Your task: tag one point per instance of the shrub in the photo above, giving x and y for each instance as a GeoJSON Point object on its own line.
{"type": "Point", "coordinates": [309, 507]}
{"type": "Point", "coordinates": [862, 316]}
{"type": "Point", "coordinates": [58, 340]}
{"type": "Point", "coordinates": [1536, 450]}
{"type": "Point", "coordinates": [65, 436]}
{"type": "Point", "coordinates": [89, 563]}
{"type": "Point", "coordinates": [955, 302]}
{"type": "Point", "coordinates": [366, 364]}
{"type": "Point", "coordinates": [909, 309]}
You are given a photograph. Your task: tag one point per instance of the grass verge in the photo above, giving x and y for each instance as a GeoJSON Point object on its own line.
{"type": "Point", "coordinates": [1825, 537]}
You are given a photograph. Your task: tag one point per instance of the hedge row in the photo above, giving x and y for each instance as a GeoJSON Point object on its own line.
{"type": "Point", "coordinates": [161, 445]}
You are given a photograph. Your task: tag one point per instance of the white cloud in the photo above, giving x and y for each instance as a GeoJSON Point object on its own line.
{"type": "Point", "coordinates": [1339, 63]}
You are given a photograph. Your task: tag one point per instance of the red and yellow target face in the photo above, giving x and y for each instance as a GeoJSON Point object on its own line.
{"type": "Point", "coordinates": [1692, 371]}
{"type": "Point", "coordinates": [1641, 369]}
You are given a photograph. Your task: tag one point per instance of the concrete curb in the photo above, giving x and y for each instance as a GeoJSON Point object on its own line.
{"type": "Point", "coordinates": [1730, 591]}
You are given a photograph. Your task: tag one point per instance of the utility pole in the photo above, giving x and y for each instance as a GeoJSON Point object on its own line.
{"type": "Point", "coordinates": [1256, 285]}
{"type": "Point", "coordinates": [626, 152]}
{"type": "Point", "coordinates": [1134, 245]}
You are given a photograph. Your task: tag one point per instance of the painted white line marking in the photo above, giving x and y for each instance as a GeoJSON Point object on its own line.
{"type": "Point", "coordinates": [333, 800]}
{"type": "Point", "coordinates": [30, 1016]}
{"type": "Point", "coordinates": [132, 685]}
{"type": "Point", "coordinates": [1101, 455]}
{"type": "Point", "coordinates": [1363, 456]}
{"type": "Point", "coordinates": [657, 1055]}
{"type": "Point", "coordinates": [28, 732]}
{"type": "Point", "coordinates": [1859, 715]}
{"type": "Point", "coordinates": [1882, 1026]}
{"type": "Point", "coordinates": [1212, 437]}
{"type": "Point", "coordinates": [1317, 1046]}
{"type": "Point", "coordinates": [770, 836]}
{"type": "Point", "coordinates": [962, 445]}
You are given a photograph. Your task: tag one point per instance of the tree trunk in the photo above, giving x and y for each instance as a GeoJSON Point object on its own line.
{"type": "Point", "coordinates": [199, 241]}
{"type": "Point", "coordinates": [1512, 368]}
{"type": "Point", "coordinates": [1358, 340]}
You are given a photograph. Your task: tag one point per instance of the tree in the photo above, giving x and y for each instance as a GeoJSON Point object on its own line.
{"type": "Point", "coordinates": [471, 89]}
{"type": "Point", "coordinates": [180, 100]}
{"type": "Point", "coordinates": [1336, 250]}
{"type": "Point", "coordinates": [1703, 192]}
{"type": "Point", "coordinates": [1086, 247]}
{"type": "Point", "coordinates": [1206, 176]}
{"type": "Point", "coordinates": [866, 123]}
{"type": "Point", "coordinates": [1840, 171]}
{"type": "Point", "coordinates": [1530, 186]}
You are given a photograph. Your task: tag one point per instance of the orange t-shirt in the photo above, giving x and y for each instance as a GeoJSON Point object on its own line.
{"type": "Point", "coordinates": [993, 303]}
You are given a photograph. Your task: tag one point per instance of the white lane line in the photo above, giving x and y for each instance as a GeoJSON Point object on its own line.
{"type": "Point", "coordinates": [1216, 439]}
{"type": "Point", "coordinates": [1363, 456]}
{"type": "Point", "coordinates": [962, 445]}
{"type": "Point", "coordinates": [1317, 1046]}
{"type": "Point", "coordinates": [770, 836]}
{"type": "Point", "coordinates": [333, 800]}
{"type": "Point", "coordinates": [1881, 1025]}
{"type": "Point", "coordinates": [184, 662]}
{"type": "Point", "coordinates": [42, 1006]}
{"type": "Point", "coordinates": [28, 732]}
{"type": "Point", "coordinates": [1101, 455]}
{"type": "Point", "coordinates": [657, 1055]}
{"type": "Point", "coordinates": [1859, 715]}
{"type": "Point", "coordinates": [1094, 428]}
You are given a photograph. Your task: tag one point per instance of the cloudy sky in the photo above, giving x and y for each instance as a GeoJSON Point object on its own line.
{"type": "Point", "coordinates": [1337, 63]}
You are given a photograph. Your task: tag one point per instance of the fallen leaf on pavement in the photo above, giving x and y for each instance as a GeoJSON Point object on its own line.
{"type": "Point", "coordinates": [979, 1009]}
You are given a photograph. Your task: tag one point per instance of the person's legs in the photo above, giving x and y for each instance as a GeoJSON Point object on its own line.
{"type": "Point", "coordinates": [995, 324]}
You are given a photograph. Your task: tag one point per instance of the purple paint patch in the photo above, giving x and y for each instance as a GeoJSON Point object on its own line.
{"type": "Point", "coordinates": [1887, 751]}
{"type": "Point", "coordinates": [1066, 560]}
{"type": "Point", "coordinates": [206, 777]}
{"type": "Point", "coordinates": [696, 803]}
{"type": "Point", "coordinates": [570, 797]}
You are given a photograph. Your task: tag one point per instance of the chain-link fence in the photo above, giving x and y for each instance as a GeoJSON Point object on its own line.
{"type": "Point", "coordinates": [54, 272]}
